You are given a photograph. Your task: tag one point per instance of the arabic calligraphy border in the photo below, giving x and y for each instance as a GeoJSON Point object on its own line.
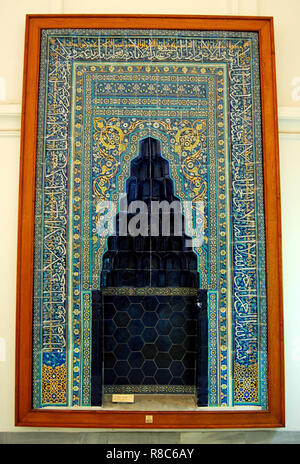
{"type": "Point", "coordinates": [249, 39]}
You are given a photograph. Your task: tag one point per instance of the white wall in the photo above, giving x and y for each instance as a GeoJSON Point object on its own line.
{"type": "Point", "coordinates": [287, 37]}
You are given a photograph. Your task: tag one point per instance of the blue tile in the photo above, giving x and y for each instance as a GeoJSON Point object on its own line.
{"type": "Point", "coordinates": [149, 381]}
{"type": "Point", "coordinates": [122, 351]}
{"type": "Point", "coordinates": [109, 377]}
{"type": "Point", "coordinates": [189, 360]}
{"type": "Point", "coordinates": [178, 303]}
{"type": "Point", "coordinates": [150, 319]}
{"type": "Point", "coordinates": [163, 376]}
{"type": "Point", "coordinates": [177, 381]}
{"type": "Point", "coordinates": [176, 368]}
{"type": "Point", "coordinates": [136, 360]}
{"type": "Point", "coordinates": [177, 335]}
{"type": "Point", "coordinates": [150, 303]}
{"type": "Point", "coordinates": [149, 351]}
{"type": "Point", "coordinates": [190, 327]}
{"type": "Point", "coordinates": [121, 319]}
{"type": "Point", "coordinates": [163, 327]}
{"type": "Point", "coordinates": [163, 343]}
{"type": "Point", "coordinates": [190, 343]}
{"type": "Point", "coordinates": [122, 368]}
{"type": "Point", "coordinates": [109, 343]}
{"type": "Point", "coordinates": [121, 335]}
{"type": "Point", "coordinates": [177, 352]}
{"type": "Point", "coordinates": [135, 310]}
{"type": "Point", "coordinates": [190, 376]}
{"type": "Point", "coordinates": [164, 311]}
{"type": "Point", "coordinates": [163, 360]}
{"type": "Point", "coordinates": [109, 327]}
{"type": "Point", "coordinates": [121, 302]}
{"type": "Point", "coordinates": [122, 380]}
{"type": "Point", "coordinates": [135, 343]}
{"type": "Point", "coordinates": [163, 299]}
{"type": "Point", "coordinates": [97, 351]}
{"type": "Point", "coordinates": [109, 311]}
{"type": "Point", "coordinates": [149, 335]}
{"type": "Point", "coordinates": [177, 319]}
{"type": "Point", "coordinates": [136, 376]}
{"type": "Point", "coordinates": [149, 368]}
{"type": "Point", "coordinates": [134, 298]}
{"type": "Point", "coordinates": [136, 327]}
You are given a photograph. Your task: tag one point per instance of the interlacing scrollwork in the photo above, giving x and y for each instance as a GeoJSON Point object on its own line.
{"type": "Point", "coordinates": [189, 147]}
{"type": "Point", "coordinates": [187, 140]}
{"type": "Point", "coordinates": [109, 144]}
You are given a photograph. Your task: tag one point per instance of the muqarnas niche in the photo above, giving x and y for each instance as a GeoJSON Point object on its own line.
{"type": "Point", "coordinates": [150, 328]}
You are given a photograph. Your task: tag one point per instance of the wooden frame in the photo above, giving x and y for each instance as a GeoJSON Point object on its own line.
{"type": "Point", "coordinates": [25, 415]}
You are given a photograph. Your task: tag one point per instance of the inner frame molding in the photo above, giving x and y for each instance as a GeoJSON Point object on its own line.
{"type": "Point", "coordinates": [205, 87]}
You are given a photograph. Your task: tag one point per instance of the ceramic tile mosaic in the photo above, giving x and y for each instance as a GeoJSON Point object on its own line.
{"type": "Point", "coordinates": [156, 115]}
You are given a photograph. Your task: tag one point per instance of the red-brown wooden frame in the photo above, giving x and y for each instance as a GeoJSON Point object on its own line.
{"type": "Point", "coordinates": [25, 415]}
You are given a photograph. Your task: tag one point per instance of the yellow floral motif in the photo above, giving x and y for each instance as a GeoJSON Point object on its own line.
{"type": "Point", "coordinates": [189, 148]}
{"type": "Point", "coordinates": [108, 136]}
{"type": "Point", "coordinates": [110, 143]}
{"type": "Point", "coordinates": [54, 384]}
{"type": "Point", "coordinates": [246, 383]}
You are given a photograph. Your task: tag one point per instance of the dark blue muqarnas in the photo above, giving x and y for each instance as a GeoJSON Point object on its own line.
{"type": "Point", "coordinates": [142, 342]}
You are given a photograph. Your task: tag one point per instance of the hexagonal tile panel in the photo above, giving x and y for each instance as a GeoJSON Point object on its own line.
{"type": "Point", "coordinates": [150, 340]}
{"type": "Point", "coordinates": [189, 376]}
{"type": "Point", "coordinates": [121, 302]}
{"type": "Point", "coordinates": [109, 327]}
{"type": "Point", "coordinates": [109, 311]}
{"type": "Point", "coordinates": [177, 352]}
{"type": "Point", "coordinates": [190, 343]}
{"type": "Point", "coordinates": [163, 327]}
{"type": "Point", "coordinates": [110, 377]}
{"type": "Point", "coordinates": [163, 343]}
{"type": "Point", "coordinates": [149, 381]}
{"type": "Point", "coordinates": [164, 311]}
{"type": "Point", "coordinates": [135, 343]}
{"type": "Point", "coordinates": [178, 303]}
{"type": "Point", "coordinates": [177, 319]}
{"type": "Point", "coordinates": [177, 335]}
{"type": "Point", "coordinates": [135, 311]}
{"type": "Point", "coordinates": [177, 381]}
{"type": "Point", "coordinates": [176, 368]}
{"type": "Point", "coordinates": [121, 335]}
{"type": "Point", "coordinates": [121, 319]}
{"type": "Point", "coordinates": [136, 376]}
{"type": "Point", "coordinates": [163, 376]}
{"type": "Point", "coordinates": [123, 380]}
{"type": "Point", "coordinates": [109, 344]}
{"type": "Point", "coordinates": [149, 367]}
{"type": "Point", "coordinates": [163, 360]}
{"type": "Point", "coordinates": [135, 327]}
{"type": "Point", "coordinates": [149, 319]}
{"type": "Point", "coordinates": [122, 368]}
{"type": "Point", "coordinates": [109, 360]}
{"type": "Point", "coordinates": [122, 351]}
{"type": "Point", "coordinates": [136, 359]}
{"type": "Point", "coordinates": [189, 360]}
{"type": "Point", "coordinates": [149, 351]}
{"type": "Point", "coordinates": [150, 303]}
{"type": "Point", "coordinates": [149, 335]}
